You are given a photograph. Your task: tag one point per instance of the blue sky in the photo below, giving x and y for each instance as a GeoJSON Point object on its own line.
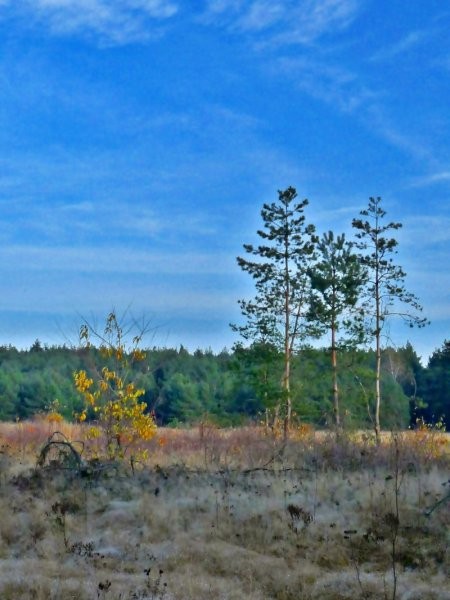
{"type": "Point", "coordinates": [139, 139]}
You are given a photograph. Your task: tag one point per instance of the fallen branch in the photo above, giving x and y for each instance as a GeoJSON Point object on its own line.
{"type": "Point", "coordinates": [437, 504]}
{"type": "Point", "coordinates": [68, 456]}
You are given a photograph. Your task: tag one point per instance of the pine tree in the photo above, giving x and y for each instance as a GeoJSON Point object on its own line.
{"type": "Point", "coordinates": [385, 287]}
{"type": "Point", "coordinates": [435, 386]}
{"type": "Point", "coordinates": [258, 367]}
{"type": "Point", "coordinates": [276, 314]}
{"type": "Point", "coordinates": [336, 279]}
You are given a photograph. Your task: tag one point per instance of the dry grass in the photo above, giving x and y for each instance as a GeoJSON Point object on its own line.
{"type": "Point", "coordinates": [228, 515]}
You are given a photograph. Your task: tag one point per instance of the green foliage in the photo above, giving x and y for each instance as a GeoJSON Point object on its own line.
{"type": "Point", "coordinates": [385, 291]}
{"type": "Point", "coordinates": [280, 274]}
{"type": "Point", "coordinates": [9, 392]}
{"type": "Point", "coordinates": [235, 387]}
{"type": "Point", "coordinates": [336, 281]}
{"type": "Point", "coordinates": [30, 381]}
{"type": "Point", "coordinates": [277, 313]}
{"type": "Point", "coordinates": [183, 399]}
{"type": "Point", "coordinates": [434, 387]}
{"type": "Point", "coordinates": [259, 366]}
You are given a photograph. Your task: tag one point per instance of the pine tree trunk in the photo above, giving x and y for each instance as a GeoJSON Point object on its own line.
{"type": "Point", "coordinates": [337, 419]}
{"type": "Point", "coordinates": [276, 418]}
{"type": "Point", "coordinates": [287, 342]}
{"type": "Point", "coordinates": [378, 352]}
{"type": "Point", "coordinates": [287, 392]}
{"type": "Point", "coordinates": [378, 388]}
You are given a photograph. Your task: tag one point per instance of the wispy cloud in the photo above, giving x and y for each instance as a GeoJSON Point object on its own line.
{"type": "Point", "coordinates": [117, 22]}
{"type": "Point", "coordinates": [430, 230]}
{"type": "Point", "coordinates": [328, 82]}
{"type": "Point", "coordinates": [99, 221]}
{"type": "Point", "coordinates": [414, 145]}
{"type": "Point", "coordinates": [325, 69]}
{"type": "Point", "coordinates": [79, 293]}
{"type": "Point", "coordinates": [431, 285]}
{"type": "Point", "coordinates": [347, 91]}
{"type": "Point", "coordinates": [116, 260]}
{"type": "Point", "coordinates": [408, 42]}
{"type": "Point", "coordinates": [285, 21]}
{"type": "Point", "coordinates": [433, 178]}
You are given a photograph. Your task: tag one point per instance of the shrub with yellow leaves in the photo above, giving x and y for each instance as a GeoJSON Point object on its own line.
{"type": "Point", "coordinates": [108, 393]}
{"type": "Point", "coordinates": [429, 439]}
{"type": "Point", "coordinates": [52, 414]}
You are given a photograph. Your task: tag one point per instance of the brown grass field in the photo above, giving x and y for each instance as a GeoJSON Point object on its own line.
{"type": "Point", "coordinates": [226, 514]}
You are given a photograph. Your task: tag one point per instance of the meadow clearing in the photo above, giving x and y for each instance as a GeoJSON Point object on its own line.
{"type": "Point", "coordinates": [225, 514]}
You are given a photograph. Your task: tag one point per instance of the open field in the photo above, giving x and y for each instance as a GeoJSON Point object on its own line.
{"type": "Point", "coordinates": [227, 515]}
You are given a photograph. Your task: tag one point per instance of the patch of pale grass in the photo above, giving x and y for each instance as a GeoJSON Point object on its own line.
{"type": "Point", "coordinates": [222, 517]}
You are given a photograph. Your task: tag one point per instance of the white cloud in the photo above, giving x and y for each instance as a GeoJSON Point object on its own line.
{"type": "Point", "coordinates": [379, 122]}
{"type": "Point", "coordinates": [288, 21]}
{"type": "Point", "coordinates": [119, 261]}
{"type": "Point", "coordinates": [215, 8]}
{"type": "Point", "coordinates": [79, 222]}
{"type": "Point", "coordinates": [405, 44]}
{"type": "Point", "coordinates": [428, 230]}
{"type": "Point", "coordinates": [261, 15]}
{"type": "Point", "coordinates": [431, 286]}
{"type": "Point", "coordinates": [439, 177]}
{"type": "Point", "coordinates": [115, 22]}
{"type": "Point", "coordinates": [70, 288]}
{"type": "Point", "coordinates": [317, 17]}
{"type": "Point", "coordinates": [330, 83]}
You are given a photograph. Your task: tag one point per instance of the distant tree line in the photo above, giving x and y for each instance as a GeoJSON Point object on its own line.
{"type": "Point", "coordinates": [238, 386]}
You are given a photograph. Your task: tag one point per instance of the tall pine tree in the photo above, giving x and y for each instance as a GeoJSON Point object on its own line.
{"type": "Point", "coordinates": [386, 294]}
{"type": "Point", "coordinates": [336, 280]}
{"type": "Point", "coordinates": [276, 315]}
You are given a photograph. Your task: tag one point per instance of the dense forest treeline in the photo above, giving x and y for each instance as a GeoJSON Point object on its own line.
{"type": "Point", "coordinates": [237, 386]}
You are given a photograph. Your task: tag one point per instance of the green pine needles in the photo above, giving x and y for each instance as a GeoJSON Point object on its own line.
{"type": "Point", "coordinates": [385, 293]}
{"type": "Point", "coordinates": [277, 313]}
{"type": "Point", "coordinates": [308, 287]}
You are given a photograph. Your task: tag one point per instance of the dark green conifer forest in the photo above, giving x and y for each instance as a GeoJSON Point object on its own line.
{"type": "Point", "coordinates": [236, 387]}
